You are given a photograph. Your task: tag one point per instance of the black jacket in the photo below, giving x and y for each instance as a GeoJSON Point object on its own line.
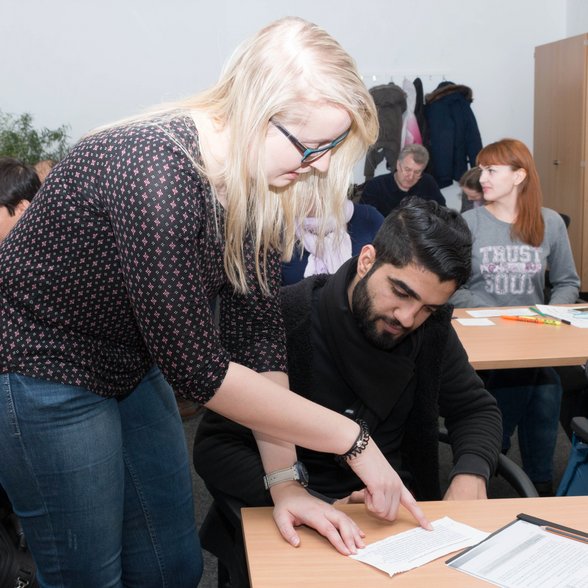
{"type": "Point", "coordinates": [454, 137]}
{"type": "Point", "coordinates": [390, 101]}
{"type": "Point", "coordinates": [225, 453]}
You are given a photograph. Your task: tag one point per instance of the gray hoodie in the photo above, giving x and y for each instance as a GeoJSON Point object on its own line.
{"type": "Point", "coordinates": [507, 272]}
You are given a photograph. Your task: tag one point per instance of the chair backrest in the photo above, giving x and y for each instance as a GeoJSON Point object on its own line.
{"type": "Point", "coordinates": [547, 290]}
{"type": "Point", "coordinates": [507, 469]}
{"type": "Point", "coordinates": [574, 481]}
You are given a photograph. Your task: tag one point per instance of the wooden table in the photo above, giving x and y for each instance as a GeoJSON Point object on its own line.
{"type": "Point", "coordinates": [275, 564]}
{"type": "Point", "coordinates": [511, 344]}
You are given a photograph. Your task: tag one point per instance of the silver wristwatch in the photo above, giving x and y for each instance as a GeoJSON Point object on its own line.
{"type": "Point", "coordinates": [295, 473]}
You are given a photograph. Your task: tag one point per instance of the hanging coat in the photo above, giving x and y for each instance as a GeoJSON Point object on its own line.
{"type": "Point", "coordinates": [390, 103]}
{"type": "Point", "coordinates": [454, 138]}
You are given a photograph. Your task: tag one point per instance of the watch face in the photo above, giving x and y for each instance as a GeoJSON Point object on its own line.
{"type": "Point", "coordinates": [302, 473]}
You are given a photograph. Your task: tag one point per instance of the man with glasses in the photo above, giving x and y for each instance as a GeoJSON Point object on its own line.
{"type": "Point", "coordinates": [385, 192]}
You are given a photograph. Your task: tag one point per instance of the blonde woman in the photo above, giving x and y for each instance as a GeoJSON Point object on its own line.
{"type": "Point", "coordinates": [106, 288]}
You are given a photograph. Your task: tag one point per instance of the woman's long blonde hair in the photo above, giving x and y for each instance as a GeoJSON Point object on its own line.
{"type": "Point", "coordinates": [288, 62]}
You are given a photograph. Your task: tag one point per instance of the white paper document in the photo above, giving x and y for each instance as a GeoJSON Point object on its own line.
{"type": "Point", "coordinates": [489, 312]}
{"type": "Point", "coordinates": [408, 550]}
{"type": "Point", "coordinates": [578, 315]}
{"type": "Point", "coordinates": [522, 555]}
{"type": "Point", "coordinates": [475, 322]}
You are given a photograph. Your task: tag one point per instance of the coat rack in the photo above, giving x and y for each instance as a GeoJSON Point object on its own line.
{"type": "Point", "coordinates": [430, 79]}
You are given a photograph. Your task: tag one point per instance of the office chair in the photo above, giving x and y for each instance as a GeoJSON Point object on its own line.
{"type": "Point", "coordinates": [574, 378]}
{"type": "Point", "coordinates": [566, 219]}
{"type": "Point", "coordinates": [574, 401]}
{"type": "Point", "coordinates": [574, 481]}
{"type": "Point", "coordinates": [507, 469]}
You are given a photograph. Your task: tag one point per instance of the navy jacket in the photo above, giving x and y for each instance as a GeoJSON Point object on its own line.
{"type": "Point", "coordinates": [453, 132]}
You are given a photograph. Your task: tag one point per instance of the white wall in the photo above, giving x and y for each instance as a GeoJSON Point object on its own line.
{"type": "Point", "coordinates": [576, 18]}
{"type": "Point", "coordinates": [89, 62]}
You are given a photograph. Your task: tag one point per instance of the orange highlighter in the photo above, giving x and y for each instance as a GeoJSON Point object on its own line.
{"type": "Point", "coordinates": [533, 319]}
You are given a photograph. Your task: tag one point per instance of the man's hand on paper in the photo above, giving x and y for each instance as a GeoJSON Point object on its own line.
{"type": "Point", "coordinates": [466, 487]}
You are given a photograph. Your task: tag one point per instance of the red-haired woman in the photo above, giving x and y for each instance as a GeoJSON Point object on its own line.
{"type": "Point", "coordinates": [515, 240]}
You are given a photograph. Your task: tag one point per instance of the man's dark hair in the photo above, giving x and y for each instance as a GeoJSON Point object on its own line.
{"type": "Point", "coordinates": [429, 235]}
{"type": "Point", "coordinates": [18, 181]}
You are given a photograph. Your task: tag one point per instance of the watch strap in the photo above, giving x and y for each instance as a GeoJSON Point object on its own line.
{"type": "Point", "coordinates": [295, 473]}
{"type": "Point", "coordinates": [279, 476]}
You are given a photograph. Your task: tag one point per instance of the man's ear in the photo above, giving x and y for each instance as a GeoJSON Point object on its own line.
{"type": "Point", "coordinates": [365, 261]}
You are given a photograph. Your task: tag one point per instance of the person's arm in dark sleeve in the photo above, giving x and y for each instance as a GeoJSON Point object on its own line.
{"type": "Point", "coordinates": [430, 190]}
{"type": "Point", "coordinates": [228, 461]}
{"type": "Point", "coordinates": [373, 195]}
{"type": "Point", "coordinates": [375, 219]}
{"type": "Point", "coordinates": [471, 416]}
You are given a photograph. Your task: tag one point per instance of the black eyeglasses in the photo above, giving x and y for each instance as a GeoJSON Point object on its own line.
{"type": "Point", "coordinates": [309, 155]}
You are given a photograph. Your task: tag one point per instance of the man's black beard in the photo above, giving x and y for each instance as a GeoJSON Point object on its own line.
{"type": "Point", "coordinates": [366, 319]}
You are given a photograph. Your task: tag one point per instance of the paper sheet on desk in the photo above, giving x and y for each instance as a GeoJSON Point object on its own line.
{"type": "Point", "coordinates": [491, 312]}
{"type": "Point", "coordinates": [414, 548]}
{"type": "Point", "coordinates": [475, 322]}
{"type": "Point", "coordinates": [566, 313]}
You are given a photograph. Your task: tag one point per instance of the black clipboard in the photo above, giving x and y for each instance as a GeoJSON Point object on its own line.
{"type": "Point", "coordinates": [464, 551]}
{"type": "Point", "coordinates": [528, 519]}
{"type": "Point", "coordinates": [543, 523]}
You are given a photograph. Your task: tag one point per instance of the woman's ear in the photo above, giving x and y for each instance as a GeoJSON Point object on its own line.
{"type": "Point", "coordinates": [366, 260]}
{"type": "Point", "coordinates": [520, 176]}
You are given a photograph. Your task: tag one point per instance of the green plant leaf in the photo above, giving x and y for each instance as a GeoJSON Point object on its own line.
{"type": "Point", "coordinates": [20, 139]}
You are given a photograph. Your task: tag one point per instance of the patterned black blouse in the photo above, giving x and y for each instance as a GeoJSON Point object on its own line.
{"type": "Point", "coordinates": [114, 266]}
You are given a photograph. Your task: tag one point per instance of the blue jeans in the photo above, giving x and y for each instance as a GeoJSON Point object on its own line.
{"type": "Point", "coordinates": [102, 486]}
{"type": "Point", "coordinates": [534, 409]}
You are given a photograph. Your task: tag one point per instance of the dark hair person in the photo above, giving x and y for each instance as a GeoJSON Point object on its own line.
{"type": "Point", "coordinates": [18, 185]}
{"type": "Point", "coordinates": [472, 194]}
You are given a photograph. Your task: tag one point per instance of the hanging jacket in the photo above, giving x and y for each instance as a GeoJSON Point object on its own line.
{"type": "Point", "coordinates": [453, 132]}
{"type": "Point", "coordinates": [411, 133]}
{"type": "Point", "coordinates": [390, 103]}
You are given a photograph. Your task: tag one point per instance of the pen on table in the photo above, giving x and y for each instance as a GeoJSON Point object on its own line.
{"type": "Point", "coordinates": [533, 319]}
{"type": "Point", "coordinates": [563, 533]}
{"type": "Point", "coordinates": [564, 321]}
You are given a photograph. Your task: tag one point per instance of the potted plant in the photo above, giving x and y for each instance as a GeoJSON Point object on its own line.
{"type": "Point", "coordinates": [21, 140]}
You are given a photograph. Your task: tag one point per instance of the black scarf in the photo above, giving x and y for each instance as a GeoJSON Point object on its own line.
{"type": "Point", "coordinates": [378, 377]}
